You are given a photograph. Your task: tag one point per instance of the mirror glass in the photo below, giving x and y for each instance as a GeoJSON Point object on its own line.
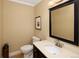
{"type": "Point", "coordinates": [62, 22]}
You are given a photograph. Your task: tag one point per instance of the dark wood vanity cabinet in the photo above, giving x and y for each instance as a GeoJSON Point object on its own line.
{"type": "Point", "coordinates": [37, 53]}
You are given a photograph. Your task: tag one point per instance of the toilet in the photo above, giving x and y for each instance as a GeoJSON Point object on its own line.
{"type": "Point", "coordinates": [27, 50]}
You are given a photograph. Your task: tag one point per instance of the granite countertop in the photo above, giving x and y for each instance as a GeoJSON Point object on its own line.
{"type": "Point", "coordinates": [63, 52]}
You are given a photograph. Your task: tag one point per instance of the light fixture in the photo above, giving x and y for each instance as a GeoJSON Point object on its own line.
{"type": "Point", "coordinates": [52, 2]}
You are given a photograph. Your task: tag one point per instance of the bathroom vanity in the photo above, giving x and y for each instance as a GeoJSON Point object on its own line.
{"type": "Point", "coordinates": [63, 26]}
{"type": "Point", "coordinates": [47, 49]}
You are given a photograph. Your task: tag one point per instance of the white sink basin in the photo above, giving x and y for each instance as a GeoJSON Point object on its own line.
{"type": "Point", "coordinates": [52, 49]}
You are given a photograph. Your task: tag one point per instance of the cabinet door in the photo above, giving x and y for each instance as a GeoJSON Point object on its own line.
{"type": "Point", "coordinates": [37, 53]}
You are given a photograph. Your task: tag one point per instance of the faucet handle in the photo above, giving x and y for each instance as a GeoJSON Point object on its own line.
{"type": "Point", "coordinates": [56, 41]}
{"type": "Point", "coordinates": [61, 45]}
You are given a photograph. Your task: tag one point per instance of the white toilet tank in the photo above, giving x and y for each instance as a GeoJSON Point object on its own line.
{"type": "Point", "coordinates": [35, 39]}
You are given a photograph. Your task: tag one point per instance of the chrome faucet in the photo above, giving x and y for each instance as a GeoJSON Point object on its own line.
{"type": "Point", "coordinates": [57, 43]}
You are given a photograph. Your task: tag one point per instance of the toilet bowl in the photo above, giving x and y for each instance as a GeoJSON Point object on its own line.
{"type": "Point", "coordinates": [27, 50]}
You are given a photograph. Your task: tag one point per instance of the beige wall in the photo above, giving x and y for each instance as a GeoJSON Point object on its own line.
{"type": "Point", "coordinates": [18, 24]}
{"type": "Point", "coordinates": [42, 10]}
{"type": "Point", "coordinates": [0, 26]}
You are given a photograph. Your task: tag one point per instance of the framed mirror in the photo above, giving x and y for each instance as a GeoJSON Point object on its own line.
{"type": "Point", "coordinates": [64, 22]}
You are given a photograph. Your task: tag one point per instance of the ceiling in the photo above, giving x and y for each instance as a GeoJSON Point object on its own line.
{"type": "Point", "coordinates": [27, 2]}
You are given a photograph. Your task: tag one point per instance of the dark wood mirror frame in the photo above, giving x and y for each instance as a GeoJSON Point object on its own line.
{"type": "Point", "coordinates": [76, 21]}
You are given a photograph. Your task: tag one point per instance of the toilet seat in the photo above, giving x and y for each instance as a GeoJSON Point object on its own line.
{"type": "Point", "coordinates": [27, 48]}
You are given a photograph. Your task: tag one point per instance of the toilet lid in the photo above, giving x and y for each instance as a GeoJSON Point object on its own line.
{"type": "Point", "coordinates": [27, 48]}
